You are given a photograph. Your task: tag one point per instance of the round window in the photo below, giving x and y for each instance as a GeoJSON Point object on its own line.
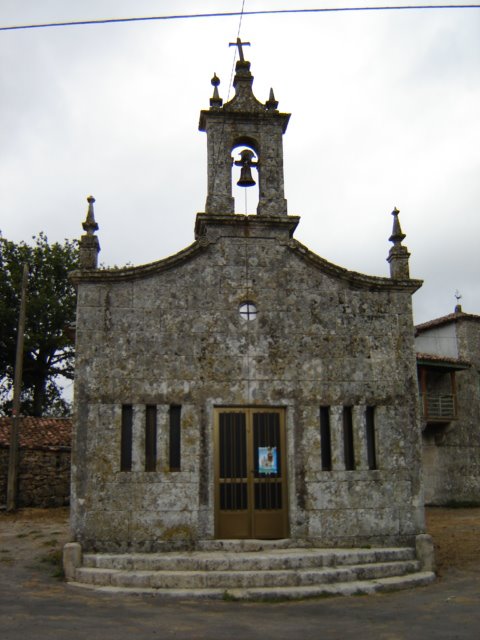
{"type": "Point", "coordinates": [248, 310]}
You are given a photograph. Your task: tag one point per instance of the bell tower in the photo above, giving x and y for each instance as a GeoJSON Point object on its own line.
{"type": "Point", "coordinates": [244, 121]}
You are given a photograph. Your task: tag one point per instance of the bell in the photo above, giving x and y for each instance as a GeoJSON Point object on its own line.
{"type": "Point", "coordinates": [246, 179]}
{"type": "Point", "coordinates": [246, 163]}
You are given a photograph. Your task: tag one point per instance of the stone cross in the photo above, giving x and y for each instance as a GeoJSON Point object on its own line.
{"type": "Point", "coordinates": [239, 44]}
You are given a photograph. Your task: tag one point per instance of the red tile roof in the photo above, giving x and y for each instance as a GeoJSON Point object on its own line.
{"type": "Point", "coordinates": [39, 433]}
{"type": "Point", "coordinates": [455, 363]}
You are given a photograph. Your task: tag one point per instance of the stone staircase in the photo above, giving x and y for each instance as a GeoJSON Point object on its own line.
{"type": "Point", "coordinates": [252, 570]}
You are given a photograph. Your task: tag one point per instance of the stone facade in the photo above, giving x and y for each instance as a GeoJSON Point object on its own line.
{"type": "Point", "coordinates": [245, 319]}
{"type": "Point", "coordinates": [449, 356]}
{"type": "Point", "coordinates": [44, 462]}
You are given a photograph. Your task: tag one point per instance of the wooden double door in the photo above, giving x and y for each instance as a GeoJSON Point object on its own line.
{"type": "Point", "coordinates": [250, 473]}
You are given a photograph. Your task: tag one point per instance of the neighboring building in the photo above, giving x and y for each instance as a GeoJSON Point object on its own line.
{"type": "Point", "coordinates": [244, 387]}
{"type": "Point", "coordinates": [44, 461]}
{"type": "Point", "coordinates": [449, 378]}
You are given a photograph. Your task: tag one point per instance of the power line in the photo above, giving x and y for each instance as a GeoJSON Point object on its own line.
{"type": "Point", "coordinates": [238, 13]}
{"type": "Point", "coordinates": [216, 149]}
{"type": "Point", "coordinates": [241, 16]}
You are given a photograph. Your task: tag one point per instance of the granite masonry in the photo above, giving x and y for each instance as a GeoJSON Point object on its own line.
{"type": "Point", "coordinates": [245, 387]}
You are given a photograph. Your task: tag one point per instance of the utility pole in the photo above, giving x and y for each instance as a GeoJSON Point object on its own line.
{"type": "Point", "coordinates": [12, 481]}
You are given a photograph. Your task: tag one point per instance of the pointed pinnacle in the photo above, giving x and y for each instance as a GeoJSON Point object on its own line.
{"type": "Point", "coordinates": [397, 234]}
{"type": "Point", "coordinates": [271, 103]}
{"type": "Point", "coordinates": [215, 101]}
{"type": "Point", "coordinates": [90, 226]}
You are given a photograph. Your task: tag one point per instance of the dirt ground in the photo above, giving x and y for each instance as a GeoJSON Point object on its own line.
{"type": "Point", "coordinates": [456, 535]}
{"type": "Point", "coordinates": [35, 537]}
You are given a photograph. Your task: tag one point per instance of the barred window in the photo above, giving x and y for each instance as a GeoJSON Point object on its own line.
{"type": "Point", "coordinates": [370, 437]}
{"type": "Point", "coordinates": [325, 439]}
{"type": "Point", "coordinates": [126, 438]}
{"type": "Point", "coordinates": [348, 450]}
{"type": "Point", "coordinates": [175, 438]}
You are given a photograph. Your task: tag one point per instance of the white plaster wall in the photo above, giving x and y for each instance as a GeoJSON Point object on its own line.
{"type": "Point", "coordinates": [441, 341]}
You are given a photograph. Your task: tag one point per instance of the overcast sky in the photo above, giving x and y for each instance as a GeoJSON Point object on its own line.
{"type": "Point", "coordinates": [385, 112]}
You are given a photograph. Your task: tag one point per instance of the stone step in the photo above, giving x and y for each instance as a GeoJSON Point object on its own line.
{"type": "Point", "coordinates": [243, 579]}
{"type": "Point", "coordinates": [273, 559]}
{"type": "Point", "coordinates": [253, 570]}
{"type": "Point", "coordinates": [356, 587]}
{"type": "Point", "coordinates": [249, 544]}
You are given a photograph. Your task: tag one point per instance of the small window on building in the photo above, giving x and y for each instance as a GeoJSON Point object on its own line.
{"type": "Point", "coordinates": [126, 438]}
{"type": "Point", "coordinates": [348, 451]}
{"type": "Point", "coordinates": [175, 440]}
{"type": "Point", "coordinates": [248, 311]}
{"type": "Point", "coordinates": [151, 438]}
{"type": "Point", "coordinates": [370, 437]}
{"type": "Point", "coordinates": [325, 439]}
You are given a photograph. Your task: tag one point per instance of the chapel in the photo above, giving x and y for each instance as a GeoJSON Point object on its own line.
{"type": "Point", "coordinates": [244, 388]}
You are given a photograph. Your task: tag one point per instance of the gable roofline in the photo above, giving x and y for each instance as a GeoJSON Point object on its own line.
{"type": "Point", "coordinates": [354, 278]}
{"type": "Point", "coordinates": [445, 320]}
{"type": "Point", "coordinates": [284, 224]}
{"type": "Point", "coordinates": [134, 273]}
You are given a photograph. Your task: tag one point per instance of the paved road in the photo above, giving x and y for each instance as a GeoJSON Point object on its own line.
{"type": "Point", "coordinates": [34, 605]}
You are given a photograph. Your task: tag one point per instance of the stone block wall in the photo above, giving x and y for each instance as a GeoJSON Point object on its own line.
{"type": "Point", "coordinates": [44, 477]}
{"type": "Point", "coordinates": [170, 334]}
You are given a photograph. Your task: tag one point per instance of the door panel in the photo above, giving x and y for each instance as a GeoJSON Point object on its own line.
{"type": "Point", "coordinates": [250, 478]}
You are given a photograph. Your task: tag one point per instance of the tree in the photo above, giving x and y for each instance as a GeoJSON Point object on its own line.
{"type": "Point", "coordinates": [49, 352]}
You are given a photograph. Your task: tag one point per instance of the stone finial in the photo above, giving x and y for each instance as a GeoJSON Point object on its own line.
{"type": "Point", "coordinates": [398, 255]}
{"type": "Point", "coordinates": [89, 244]}
{"type": "Point", "coordinates": [397, 236]}
{"type": "Point", "coordinates": [215, 101]}
{"type": "Point", "coordinates": [90, 226]}
{"type": "Point", "coordinates": [271, 104]}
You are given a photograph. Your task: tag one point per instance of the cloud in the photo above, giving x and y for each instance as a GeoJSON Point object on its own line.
{"type": "Point", "coordinates": [384, 113]}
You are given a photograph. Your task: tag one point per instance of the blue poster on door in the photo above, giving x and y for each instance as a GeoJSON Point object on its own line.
{"type": "Point", "coordinates": [267, 460]}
